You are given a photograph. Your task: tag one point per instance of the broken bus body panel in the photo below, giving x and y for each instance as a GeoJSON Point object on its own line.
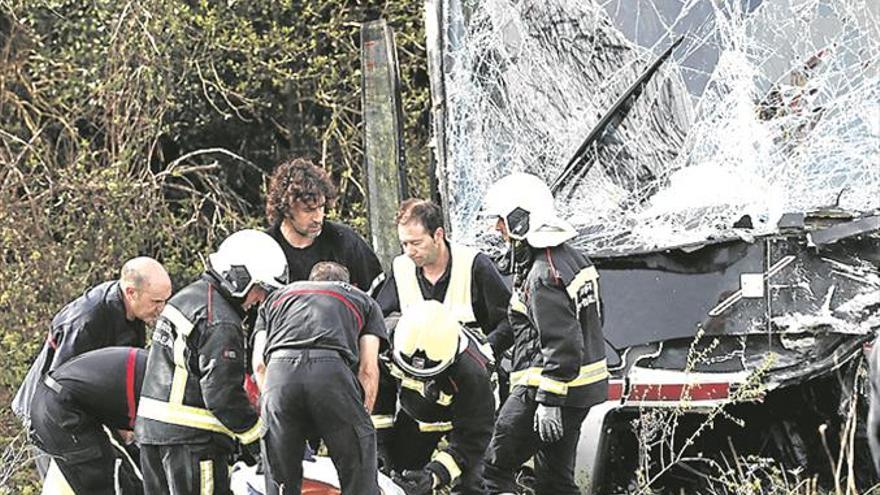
{"type": "Point", "coordinates": [792, 310]}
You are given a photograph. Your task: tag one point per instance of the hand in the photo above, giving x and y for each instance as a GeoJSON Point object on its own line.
{"type": "Point", "coordinates": [127, 436]}
{"type": "Point", "coordinates": [416, 482]}
{"type": "Point", "coordinates": [383, 461]}
{"type": "Point", "coordinates": [251, 454]}
{"type": "Point", "coordinates": [548, 423]}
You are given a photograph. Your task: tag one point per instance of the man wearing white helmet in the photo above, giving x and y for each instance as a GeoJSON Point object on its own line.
{"type": "Point", "coordinates": [447, 407]}
{"type": "Point", "coordinates": [194, 409]}
{"type": "Point", "coordinates": [559, 368]}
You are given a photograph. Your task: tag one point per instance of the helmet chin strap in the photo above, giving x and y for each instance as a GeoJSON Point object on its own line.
{"type": "Point", "coordinates": [521, 261]}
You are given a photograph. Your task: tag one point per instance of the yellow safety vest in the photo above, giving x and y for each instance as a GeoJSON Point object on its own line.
{"type": "Point", "coordinates": [458, 294]}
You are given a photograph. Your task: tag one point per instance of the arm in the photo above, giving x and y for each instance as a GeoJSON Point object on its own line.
{"type": "Point", "coordinates": [491, 296]}
{"type": "Point", "coordinates": [368, 371]}
{"type": "Point", "coordinates": [259, 363]}
{"type": "Point", "coordinates": [473, 417]}
{"type": "Point", "coordinates": [561, 339]}
{"type": "Point", "coordinates": [82, 329]}
{"type": "Point", "coordinates": [363, 264]}
{"type": "Point", "coordinates": [386, 294]}
{"type": "Point", "coordinates": [221, 366]}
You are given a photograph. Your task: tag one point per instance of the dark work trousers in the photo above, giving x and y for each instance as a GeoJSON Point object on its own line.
{"type": "Point", "coordinates": [185, 469]}
{"type": "Point", "coordinates": [412, 449]}
{"type": "Point", "coordinates": [515, 441]}
{"type": "Point", "coordinates": [79, 445]}
{"type": "Point", "coordinates": [313, 393]}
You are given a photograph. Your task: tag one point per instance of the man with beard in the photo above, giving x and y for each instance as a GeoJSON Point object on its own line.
{"type": "Point", "coordinates": [298, 197]}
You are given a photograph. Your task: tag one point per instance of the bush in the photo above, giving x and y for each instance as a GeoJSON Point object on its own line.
{"type": "Point", "coordinates": [148, 128]}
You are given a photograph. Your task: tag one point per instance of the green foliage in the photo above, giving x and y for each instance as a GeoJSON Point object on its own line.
{"type": "Point", "coordinates": [148, 127]}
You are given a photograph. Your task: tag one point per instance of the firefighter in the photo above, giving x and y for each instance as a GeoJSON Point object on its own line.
{"type": "Point", "coordinates": [321, 345]}
{"type": "Point", "coordinates": [194, 407]}
{"type": "Point", "coordinates": [559, 368]}
{"type": "Point", "coordinates": [432, 268]}
{"type": "Point", "coordinates": [445, 391]}
{"type": "Point", "coordinates": [72, 405]}
{"type": "Point", "coordinates": [298, 196]}
{"type": "Point", "coordinates": [113, 313]}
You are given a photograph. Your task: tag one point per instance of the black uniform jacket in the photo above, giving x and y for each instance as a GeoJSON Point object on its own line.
{"type": "Point", "coordinates": [193, 391]}
{"type": "Point", "coordinates": [559, 348]}
{"type": "Point", "coordinates": [319, 315]}
{"type": "Point", "coordinates": [336, 242]}
{"type": "Point", "coordinates": [459, 401]}
{"type": "Point", "coordinates": [105, 384]}
{"type": "Point", "coordinates": [92, 321]}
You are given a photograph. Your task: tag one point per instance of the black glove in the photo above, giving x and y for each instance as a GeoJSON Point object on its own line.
{"type": "Point", "coordinates": [383, 461]}
{"type": "Point", "coordinates": [416, 482]}
{"type": "Point", "coordinates": [250, 454]}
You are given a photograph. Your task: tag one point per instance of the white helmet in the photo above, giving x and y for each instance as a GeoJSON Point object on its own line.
{"type": "Point", "coordinates": [426, 339]}
{"type": "Point", "coordinates": [525, 203]}
{"type": "Point", "coordinates": [249, 257]}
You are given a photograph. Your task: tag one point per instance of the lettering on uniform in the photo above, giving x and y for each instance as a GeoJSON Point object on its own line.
{"type": "Point", "coordinates": [587, 295]}
{"type": "Point", "coordinates": [229, 354]}
{"type": "Point", "coordinates": [162, 335]}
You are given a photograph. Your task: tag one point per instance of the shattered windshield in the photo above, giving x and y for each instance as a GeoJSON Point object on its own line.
{"type": "Point", "coordinates": [760, 109]}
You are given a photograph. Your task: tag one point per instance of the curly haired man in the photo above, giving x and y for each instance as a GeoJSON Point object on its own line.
{"type": "Point", "coordinates": [299, 195]}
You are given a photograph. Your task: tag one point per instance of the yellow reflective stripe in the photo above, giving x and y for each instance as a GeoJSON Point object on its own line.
{"type": "Point", "coordinates": [182, 328]}
{"type": "Point", "coordinates": [181, 323]}
{"type": "Point", "coordinates": [552, 386]}
{"type": "Point", "coordinates": [408, 291]}
{"type": "Point", "coordinates": [206, 477]}
{"type": "Point", "coordinates": [55, 482]}
{"type": "Point", "coordinates": [252, 434]}
{"type": "Point", "coordinates": [417, 386]}
{"type": "Point", "coordinates": [458, 294]}
{"type": "Point", "coordinates": [517, 305]}
{"type": "Point", "coordinates": [382, 421]}
{"type": "Point", "coordinates": [413, 384]}
{"type": "Point", "coordinates": [447, 462]}
{"type": "Point", "coordinates": [444, 399]}
{"type": "Point", "coordinates": [178, 380]}
{"type": "Point", "coordinates": [178, 414]}
{"type": "Point", "coordinates": [589, 373]}
{"type": "Point", "coordinates": [435, 427]}
{"type": "Point", "coordinates": [588, 274]}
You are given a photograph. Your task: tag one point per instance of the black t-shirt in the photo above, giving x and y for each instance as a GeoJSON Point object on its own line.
{"type": "Point", "coordinates": [105, 383]}
{"type": "Point", "coordinates": [336, 242]}
{"type": "Point", "coordinates": [319, 315]}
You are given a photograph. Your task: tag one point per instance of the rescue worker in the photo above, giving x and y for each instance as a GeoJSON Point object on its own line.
{"type": "Point", "coordinates": [113, 313]}
{"type": "Point", "coordinates": [445, 391]}
{"type": "Point", "coordinates": [194, 407]}
{"type": "Point", "coordinates": [322, 339]}
{"type": "Point", "coordinates": [70, 408]}
{"type": "Point", "coordinates": [465, 280]}
{"type": "Point", "coordinates": [298, 196]}
{"type": "Point", "coordinates": [559, 367]}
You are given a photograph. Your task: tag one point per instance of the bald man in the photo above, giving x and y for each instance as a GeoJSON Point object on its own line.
{"type": "Point", "coordinates": [113, 313]}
